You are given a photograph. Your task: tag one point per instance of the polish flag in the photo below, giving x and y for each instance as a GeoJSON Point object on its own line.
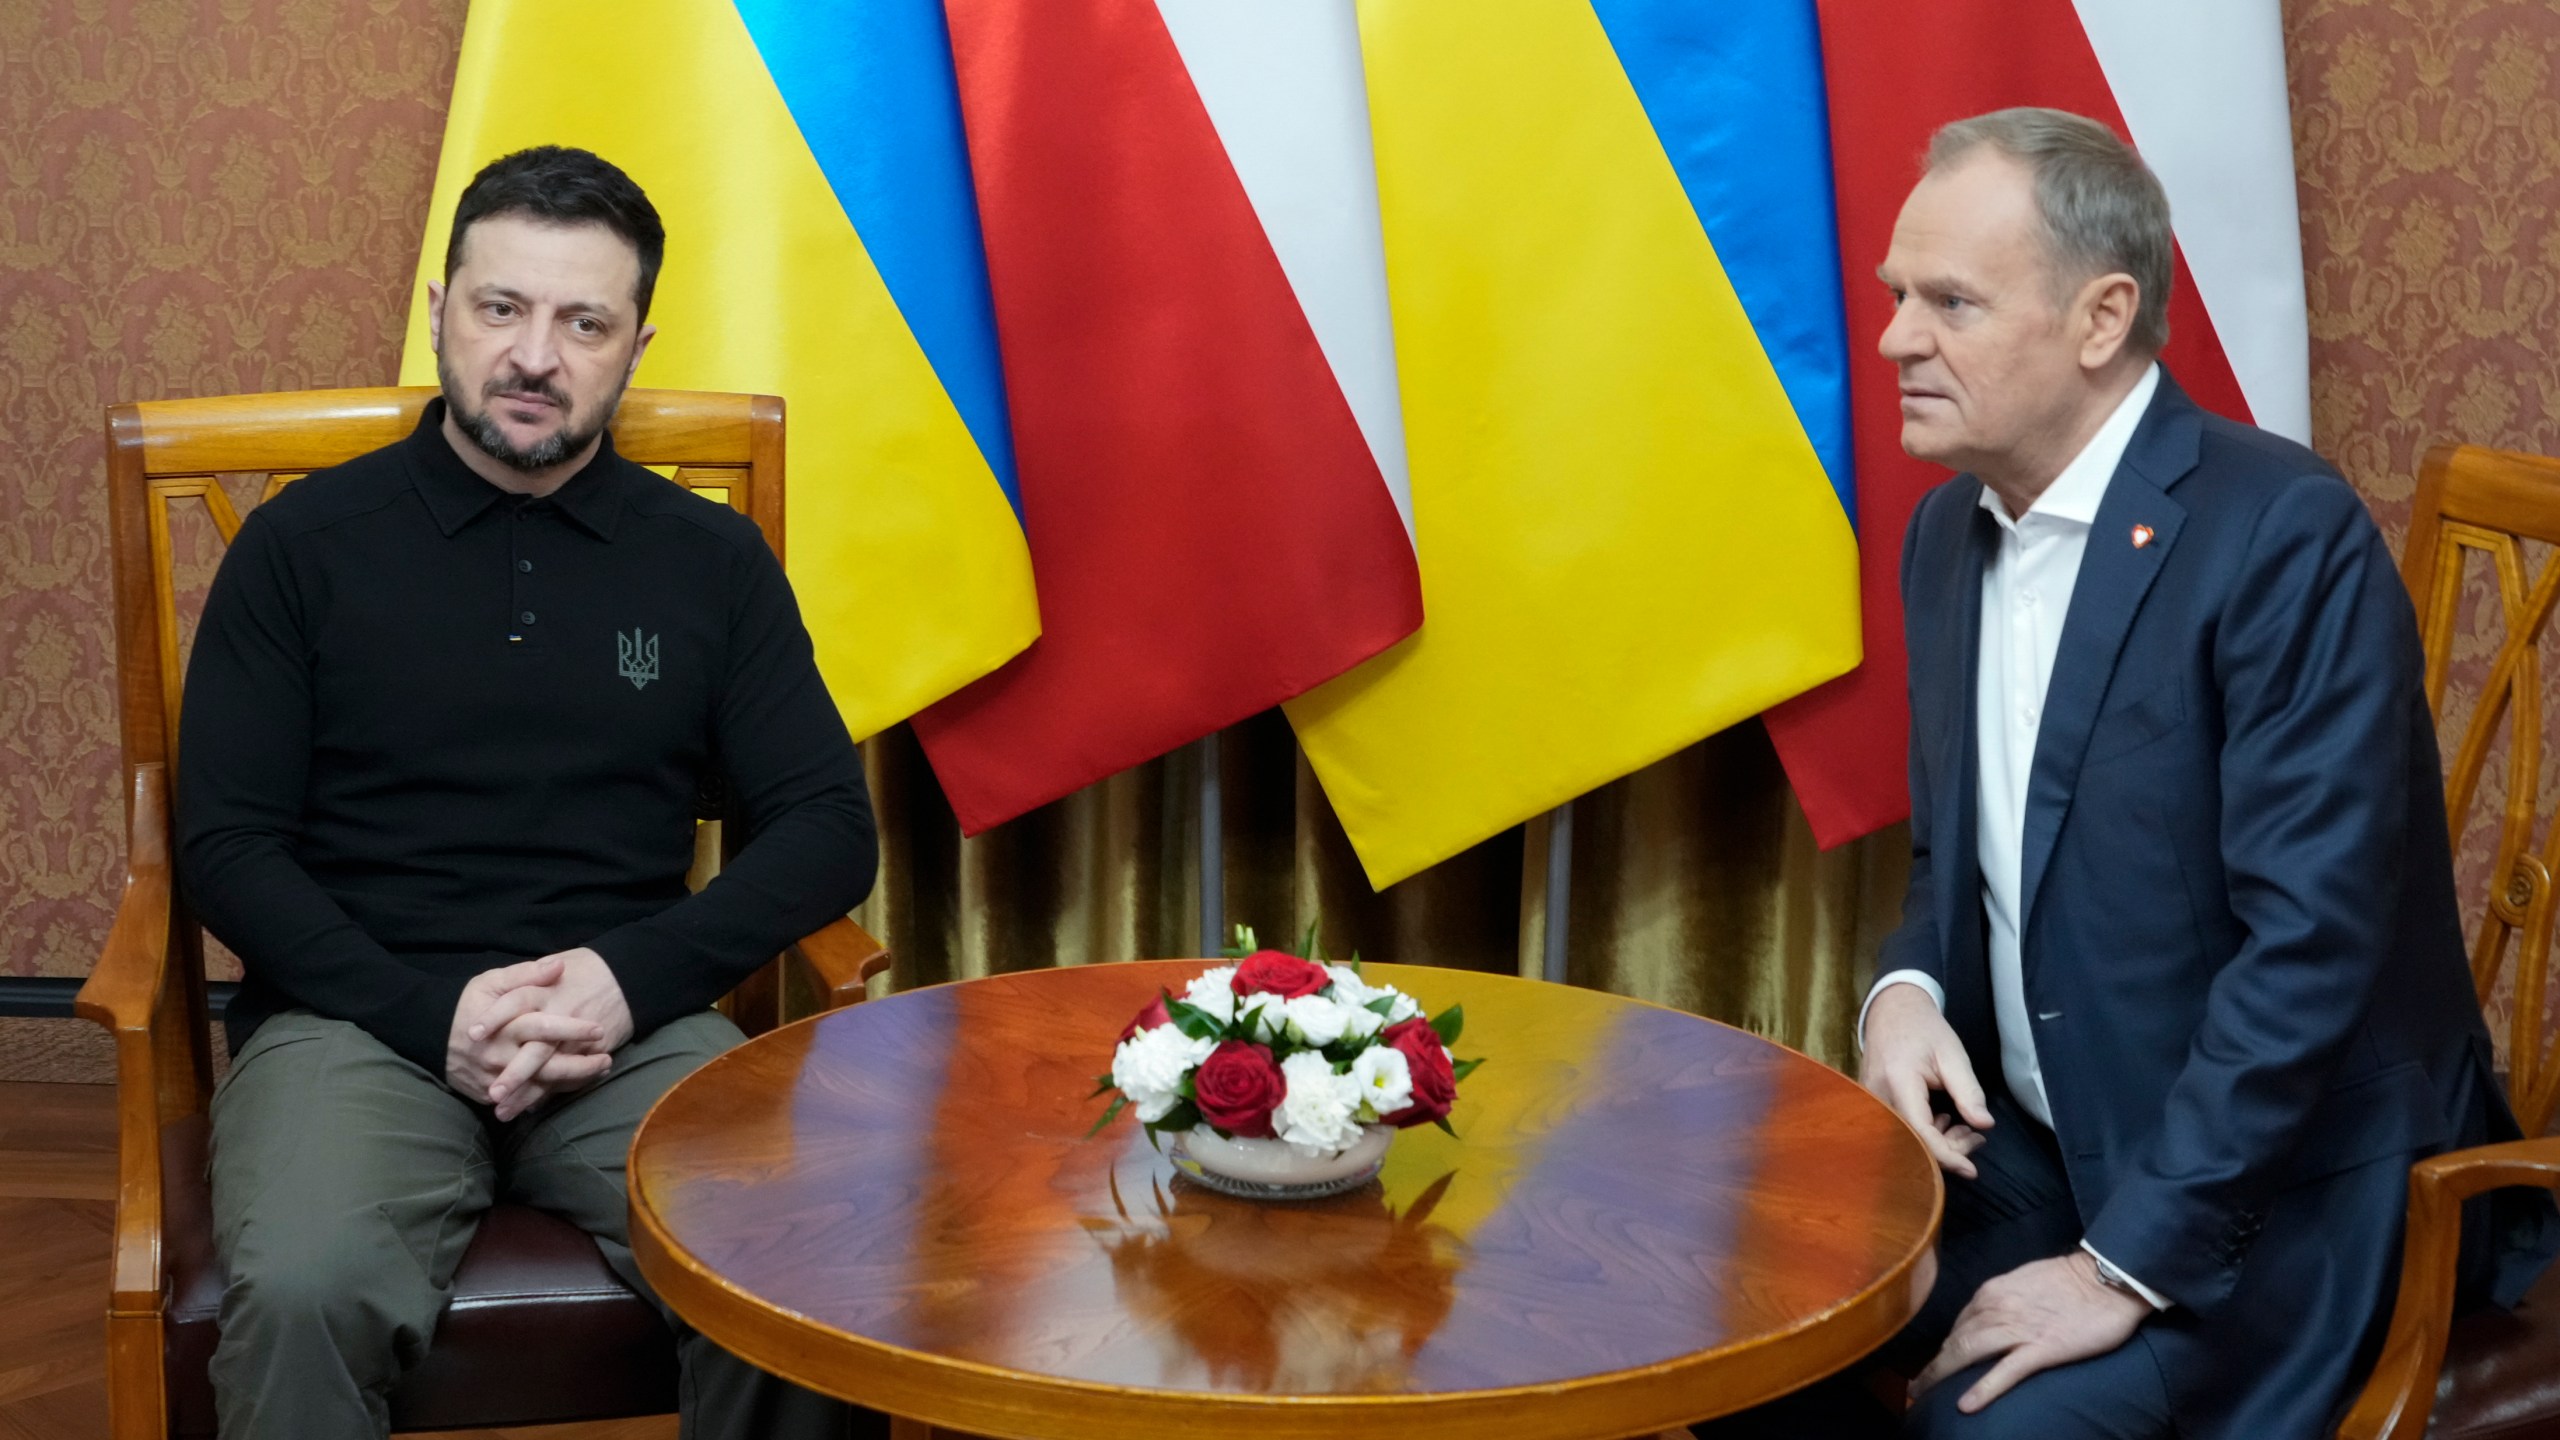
{"type": "Point", "coordinates": [1181, 224]}
{"type": "Point", "coordinates": [2199, 88]}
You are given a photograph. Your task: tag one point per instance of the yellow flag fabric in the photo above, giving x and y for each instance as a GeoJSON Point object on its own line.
{"type": "Point", "coordinates": [908, 560]}
{"type": "Point", "coordinates": [1627, 541]}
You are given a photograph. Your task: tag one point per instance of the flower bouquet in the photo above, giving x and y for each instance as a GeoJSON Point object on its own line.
{"type": "Point", "coordinates": [1284, 1077]}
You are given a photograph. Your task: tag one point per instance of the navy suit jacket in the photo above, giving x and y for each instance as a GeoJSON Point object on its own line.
{"type": "Point", "coordinates": [2239, 937]}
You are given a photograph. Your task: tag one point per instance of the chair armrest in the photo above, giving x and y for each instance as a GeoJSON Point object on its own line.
{"type": "Point", "coordinates": [844, 956]}
{"type": "Point", "coordinates": [2396, 1401]}
{"type": "Point", "coordinates": [126, 993]}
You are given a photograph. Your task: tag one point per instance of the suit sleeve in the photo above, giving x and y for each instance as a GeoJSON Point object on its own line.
{"type": "Point", "coordinates": [242, 765]}
{"type": "Point", "coordinates": [2316, 658]}
{"type": "Point", "coordinates": [796, 780]}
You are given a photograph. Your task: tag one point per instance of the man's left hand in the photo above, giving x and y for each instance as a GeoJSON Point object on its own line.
{"type": "Point", "coordinates": [586, 990]}
{"type": "Point", "coordinates": [2040, 1315]}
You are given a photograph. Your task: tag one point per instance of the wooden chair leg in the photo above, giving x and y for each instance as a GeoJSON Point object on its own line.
{"type": "Point", "coordinates": [137, 1385]}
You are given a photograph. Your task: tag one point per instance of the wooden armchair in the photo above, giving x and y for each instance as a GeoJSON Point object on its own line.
{"type": "Point", "coordinates": [606, 1352]}
{"type": "Point", "coordinates": [2486, 1374]}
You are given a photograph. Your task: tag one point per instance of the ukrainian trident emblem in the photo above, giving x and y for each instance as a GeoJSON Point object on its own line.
{"type": "Point", "coordinates": [639, 657]}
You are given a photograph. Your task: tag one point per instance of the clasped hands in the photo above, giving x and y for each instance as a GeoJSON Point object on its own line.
{"type": "Point", "coordinates": [535, 1029]}
{"type": "Point", "coordinates": [2041, 1315]}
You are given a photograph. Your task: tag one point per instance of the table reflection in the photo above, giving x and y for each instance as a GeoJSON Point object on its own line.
{"type": "Point", "coordinates": [1194, 1268]}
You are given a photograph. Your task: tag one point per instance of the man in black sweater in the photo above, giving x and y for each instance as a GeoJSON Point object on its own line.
{"type": "Point", "coordinates": [449, 712]}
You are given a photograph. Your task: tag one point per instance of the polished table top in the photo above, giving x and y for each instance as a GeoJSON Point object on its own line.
{"type": "Point", "coordinates": [1645, 1218]}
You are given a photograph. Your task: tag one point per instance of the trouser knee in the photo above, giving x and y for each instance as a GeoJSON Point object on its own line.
{"type": "Point", "coordinates": [352, 1291]}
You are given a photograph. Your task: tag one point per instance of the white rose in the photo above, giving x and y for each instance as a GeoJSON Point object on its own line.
{"type": "Point", "coordinates": [1384, 1078]}
{"type": "Point", "coordinates": [1404, 1008]}
{"type": "Point", "coordinates": [1214, 992]}
{"type": "Point", "coordinates": [1315, 1020]}
{"type": "Point", "coordinates": [1320, 1112]}
{"type": "Point", "coordinates": [1149, 1066]}
{"type": "Point", "coordinates": [1262, 1010]}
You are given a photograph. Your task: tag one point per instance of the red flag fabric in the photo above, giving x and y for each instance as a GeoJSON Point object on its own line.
{"type": "Point", "coordinates": [1210, 533]}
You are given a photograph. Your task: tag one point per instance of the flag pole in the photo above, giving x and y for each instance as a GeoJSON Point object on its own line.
{"type": "Point", "coordinates": [1559, 908]}
{"type": "Point", "coordinates": [1213, 843]}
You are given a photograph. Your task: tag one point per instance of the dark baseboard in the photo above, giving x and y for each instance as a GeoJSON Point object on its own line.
{"type": "Point", "coordinates": [48, 997]}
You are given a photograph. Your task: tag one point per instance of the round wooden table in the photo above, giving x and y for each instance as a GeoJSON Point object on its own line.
{"type": "Point", "coordinates": [1645, 1218]}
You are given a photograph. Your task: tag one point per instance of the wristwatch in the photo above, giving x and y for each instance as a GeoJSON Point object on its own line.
{"type": "Point", "coordinates": [2115, 1279]}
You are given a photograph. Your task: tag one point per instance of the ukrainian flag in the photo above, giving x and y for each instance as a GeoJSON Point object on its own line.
{"type": "Point", "coordinates": [822, 245]}
{"type": "Point", "coordinates": [1614, 281]}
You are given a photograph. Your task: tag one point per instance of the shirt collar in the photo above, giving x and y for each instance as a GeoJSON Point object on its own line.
{"type": "Point", "coordinates": [2076, 493]}
{"type": "Point", "coordinates": [456, 496]}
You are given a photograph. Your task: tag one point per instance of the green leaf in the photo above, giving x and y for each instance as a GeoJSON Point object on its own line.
{"type": "Point", "coordinates": [1450, 1023]}
{"type": "Point", "coordinates": [1181, 1117]}
{"type": "Point", "coordinates": [1193, 1021]}
{"type": "Point", "coordinates": [1307, 947]}
{"type": "Point", "coordinates": [1107, 1116]}
{"type": "Point", "coordinates": [1383, 1006]}
{"type": "Point", "coordinates": [1102, 1085]}
{"type": "Point", "coordinates": [1443, 1123]}
{"type": "Point", "coordinates": [1465, 1068]}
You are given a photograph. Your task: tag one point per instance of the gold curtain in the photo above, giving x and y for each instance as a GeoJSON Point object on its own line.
{"type": "Point", "coordinates": [1694, 883]}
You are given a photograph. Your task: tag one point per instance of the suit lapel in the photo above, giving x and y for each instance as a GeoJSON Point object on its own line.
{"type": "Point", "coordinates": [2115, 579]}
{"type": "Point", "coordinates": [1955, 652]}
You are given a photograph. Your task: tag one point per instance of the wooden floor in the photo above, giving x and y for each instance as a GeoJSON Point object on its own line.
{"type": "Point", "coordinates": [57, 1188]}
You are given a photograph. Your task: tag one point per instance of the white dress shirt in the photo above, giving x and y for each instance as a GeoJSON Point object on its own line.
{"type": "Point", "coordinates": [2026, 595]}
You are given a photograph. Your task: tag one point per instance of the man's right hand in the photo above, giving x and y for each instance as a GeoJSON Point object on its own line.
{"type": "Point", "coordinates": [1913, 1051]}
{"type": "Point", "coordinates": [547, 1052]}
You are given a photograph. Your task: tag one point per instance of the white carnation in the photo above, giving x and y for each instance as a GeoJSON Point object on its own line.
{"type": "Point", "coordinates": [1316, 1020]}
{"type": "Point", "coordinates": [1149, 1067]}
{"type": "Point", "coordinates": [1320, 1113]}
{"type": "Point", "coordinates": [1348, 987]}
{"type": "Point", "coordinates": [1214, 992]}
{"type": "Point", "coordinates": [1359, 1022]}
{"type": "Point", "coordinates": [1384, 1078]}
{"type": "Point", "coordinates": [1404, 1008]}
{"type": "Point", "coordinates": [1265, 1012]}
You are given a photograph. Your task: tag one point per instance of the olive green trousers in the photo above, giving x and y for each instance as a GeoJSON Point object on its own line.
{"type": "Point", "coordinates": [346, 1184]}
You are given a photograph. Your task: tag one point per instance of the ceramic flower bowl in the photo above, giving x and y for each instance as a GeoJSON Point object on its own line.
{"type": "Point", "coordinates": [1275, 1170]}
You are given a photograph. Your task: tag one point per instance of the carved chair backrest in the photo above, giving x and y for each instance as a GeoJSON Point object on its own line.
{"type": "Point", "coordinates": [2475, 502]}
{"type": "Point", "coordinates": [169, 453]}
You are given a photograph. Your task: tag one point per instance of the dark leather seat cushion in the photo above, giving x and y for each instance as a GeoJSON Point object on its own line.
{"type": "Point", "coordinates": [539, 1330]}
{"type": "Point", "coordinates": [2502, 1372]}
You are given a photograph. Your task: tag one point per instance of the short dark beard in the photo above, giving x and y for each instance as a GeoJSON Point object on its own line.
{"type": "Point", "coordinates": [483, 429]}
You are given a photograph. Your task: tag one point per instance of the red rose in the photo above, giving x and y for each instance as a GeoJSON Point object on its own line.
{"type": "Point", "coordinates": [1279, 973]}
{"type": "Point", "coordinates": [1154, 1015]}
{"type": "Point", "coordinates": [1435, 1084]}
{"type": "Point", "coordinates": [1238, 1087]}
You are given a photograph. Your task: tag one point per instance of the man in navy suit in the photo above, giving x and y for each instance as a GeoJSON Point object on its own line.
{"type": "Point", "coordinates": [2179, 991]}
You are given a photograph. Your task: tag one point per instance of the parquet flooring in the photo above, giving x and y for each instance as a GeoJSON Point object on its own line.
{"type": "Point", "coordinates": [57, 1189]}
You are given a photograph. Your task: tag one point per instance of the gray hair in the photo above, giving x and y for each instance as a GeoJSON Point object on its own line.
{"type": "Point", "coordinates": [2103, 209]}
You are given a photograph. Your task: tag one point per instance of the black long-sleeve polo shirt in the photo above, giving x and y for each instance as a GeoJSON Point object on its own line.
{"type": "Point", "coordinates": [430, 727]}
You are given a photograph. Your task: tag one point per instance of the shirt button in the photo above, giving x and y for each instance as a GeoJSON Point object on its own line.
{"type": "Point", "coordinates": [2028, 598]}
{"type": "Point", "coordinates": [525, 565]}
{"type": "Point", "coordinates": [526, 617]}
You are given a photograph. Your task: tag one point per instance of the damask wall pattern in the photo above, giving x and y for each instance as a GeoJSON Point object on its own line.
{"type": "Point", "coordinates": [196, 197]}
{"type": "Point", "coordinates": [2427, 142]}
{"type": "Point", "coordinates": [200, 196]}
